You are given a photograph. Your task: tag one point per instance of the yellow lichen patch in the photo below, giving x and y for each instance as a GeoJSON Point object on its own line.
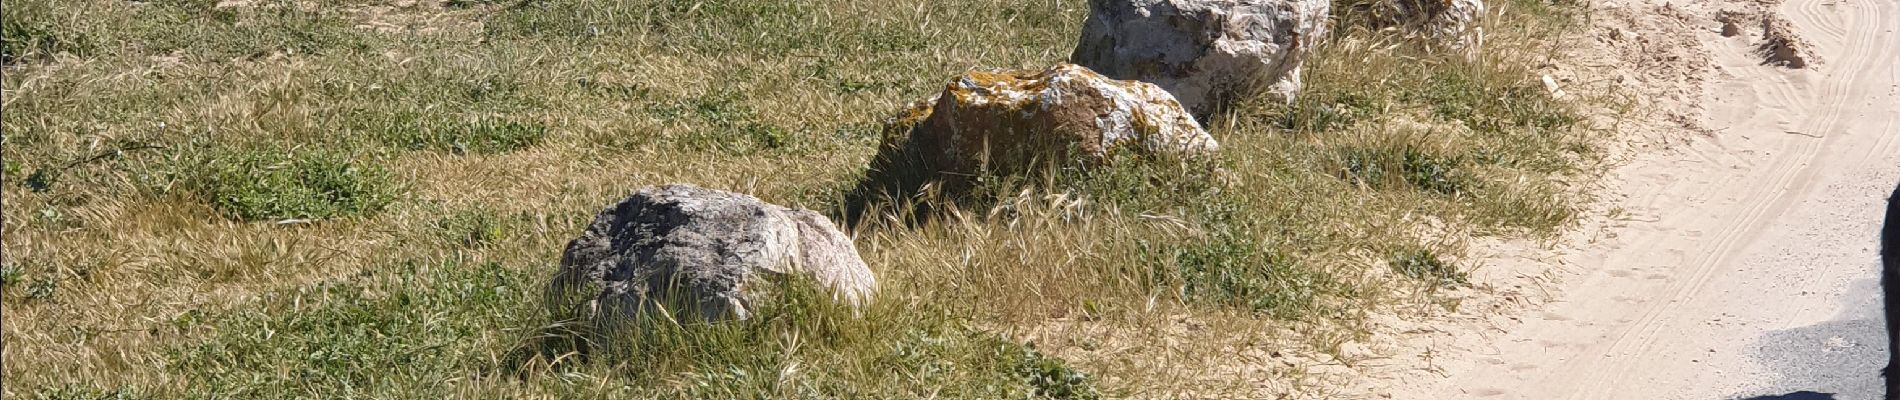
{"type": "Point", "coordinates": [911, 116]}
{"type": "Point", "coordinates": [1022, 80]}
{"type": "Point", "coordinates": [1018, 88]}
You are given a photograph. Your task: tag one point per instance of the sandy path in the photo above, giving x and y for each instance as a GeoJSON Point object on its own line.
{"type": "Point", "coordinates": [1762, 226]}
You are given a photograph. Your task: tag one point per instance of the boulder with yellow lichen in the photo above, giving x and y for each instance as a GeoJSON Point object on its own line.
{"type": "Point", "coordinates": [1007, 123]}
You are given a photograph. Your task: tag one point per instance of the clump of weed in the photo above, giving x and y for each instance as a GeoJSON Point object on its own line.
{"type": "Point", "coordinates": [266, 183]}
{"type": "Point", "coordinates": [11, 274]}
{"type": "Point", "coordinates": [30, 29]}
{"type": "Point", "coordinates": [1232, 269]}
{"type": "Point", "coordinates": [1408, 165]}
{"type": "Point", "coordinates": [1327, 110]}
{"type": "Point", "coordinates": [1491, 105]}
{"type": "Point", "coordinates": [472, 228]}
{"type": "Point", "coordinates": [89, 392]}
{"type": "Point", "coordinates": [480, 136]}
{"type": "Point", "coordinates": [733, 128]}
{"type": "Point", "coordinates": [1232, 260]}
{"type": "Point", "coordinates": [409, 323]}
{"type": "Point", "coordinates": [11, 170]}
{"type": "Point", "coordinates": [1051, 377]}
{"type": "Point", "coordinates": [42, 288]}
{"type": "Point", "coordinates": [1425, 265]}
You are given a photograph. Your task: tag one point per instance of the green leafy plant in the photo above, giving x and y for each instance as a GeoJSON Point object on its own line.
{"type": "Point", "coordinates": [263, 183]}
{"type": "Point", "coordinates": [1425, 265]}
{"type": "Point", "coordinates": [472, 228]}
{"type": "Point", "coordinates": [1427, 172]}
{"type": "Point", "coordinates": [1050, 377]}
{"type": "Point", "coordinates": [42, 288]}
{"type": "Point", "coordinates": [11, 274]}
{"type": "Point", "coordinates": [479, 136]}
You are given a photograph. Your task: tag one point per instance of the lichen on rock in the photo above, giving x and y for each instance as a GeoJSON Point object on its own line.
{"type": "Point", "coordinates": [1015, 122]}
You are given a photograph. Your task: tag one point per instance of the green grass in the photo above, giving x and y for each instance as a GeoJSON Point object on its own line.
{"type": "Point", "coordinates": [474, 228]}
{"type": "Point", "coordinates": [481, 136]}
{"type": "Point", "coordinates": [86, 392]}
{"type": "Point", "coordinates": [11, 275]}
{"type": "Point", "coordinates": [445, 155]}
{"type": "Point", "coordinates": [1426, 266]}
{"type": "Point", "coordinates": [1235, 260]}
{"type": "Point", "coordinates": [1407, 167]}
{"type": "Point", "coordinates": [281, 183]}
{"type": "Point", "coordinates": [415, 328]}
{"type": "Point", "coordinates": [30, 31]}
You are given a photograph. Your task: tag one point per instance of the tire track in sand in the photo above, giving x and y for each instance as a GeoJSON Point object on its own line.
{"type": "Point", "coordinates": [1685, 329]}
{"type": "Point", "coordinates": [1793, 174]}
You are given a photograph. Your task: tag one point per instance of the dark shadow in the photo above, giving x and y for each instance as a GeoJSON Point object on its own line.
{"type": "Point", "coordinates": [1801, 395]}
{"type": "Point", "coordinates": [891, 187]}
{"type": "Point", "coordinates": [552, 348]}
{"type": "Point", "coordinates": [901, 180]}
{"type": "Point", "coordinates": [909, 182]}
{"type": "Point", "coordinates": [1890, 287]}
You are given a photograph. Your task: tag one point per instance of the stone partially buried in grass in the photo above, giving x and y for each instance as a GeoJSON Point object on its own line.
{"type": "Point", "coordinates": [702, 254]}
{"type": "Point", "coordinates": [1014, 122]}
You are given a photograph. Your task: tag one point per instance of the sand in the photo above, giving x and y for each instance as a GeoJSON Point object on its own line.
{"type": "Point", "coordinates": [1748, 202]}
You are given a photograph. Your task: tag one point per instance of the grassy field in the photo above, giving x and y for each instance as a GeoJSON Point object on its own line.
{"type": "Point", "coordinates": [318, 199]}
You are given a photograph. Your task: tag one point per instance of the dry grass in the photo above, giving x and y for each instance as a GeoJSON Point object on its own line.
{"type": "Point", "coordinates": [435, 158]}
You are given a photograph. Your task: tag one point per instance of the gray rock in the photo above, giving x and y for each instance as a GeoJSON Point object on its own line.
{"type": "Point", "coordinates": [1208, 53]}
{"type": "Point", "coordinates": [703, 253]}
{"type": "Point", "coordinates": [1453, 23]}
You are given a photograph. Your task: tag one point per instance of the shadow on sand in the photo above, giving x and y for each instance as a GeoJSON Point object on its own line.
{"type": "Point", "coordinates": [1801, 395]}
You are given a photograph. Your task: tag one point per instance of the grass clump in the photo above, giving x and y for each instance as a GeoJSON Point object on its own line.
{"type": "Point", "coordinates": [733, 128]}
{"type": "Point", "coordinates": [42, 288]}
{"type": "Point", "coordinates": [1408, 166]}
{"type": "Point", "coordinates": [481, 136]}
{"type": "Point", "coordinates": [1425, 265]}
{"type": "Point", "coordinates": [412, 326]}
{"type": "Point", "coordinates": [11, 274]}
{"type": "Point", "coordinates": [11, 170]}
{"type": "Point", "coordinates": [1231, 260]}
{"type": "Point", "coordinates": [33, 29]}
{"type": "Point", "coordinates": [262, 183]}
{"type": "Point", "coordinates": [88, 392]}
{"type": "Point", "coordinates": [1233, 270]}
{"type": "Point", "coordinates": [1052, 378]}
{"type": "Point", "coordinates": [1498, 106]}
{"type": "Point", "coordinates": [473, 228]}
{"type": "Point", "coordinates": [419, 327]}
